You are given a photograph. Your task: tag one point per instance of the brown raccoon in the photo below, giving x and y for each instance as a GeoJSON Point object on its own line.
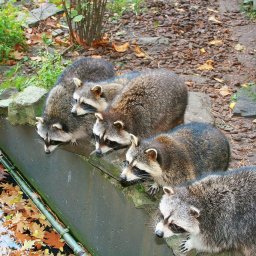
{"type": "Point", "coordinates": [218, 212]}
{"type": "Point", "coordinates": [182, 154]}
{"type": "Point", "coordinates": [153, 102]}
{"type": "Point", "coordinates": [57, 125]}
{"type": "Point", "coordinates": [91, 97]}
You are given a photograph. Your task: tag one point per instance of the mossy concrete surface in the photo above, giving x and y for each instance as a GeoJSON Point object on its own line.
{"type": "Point", "coordinates": [26, 105]}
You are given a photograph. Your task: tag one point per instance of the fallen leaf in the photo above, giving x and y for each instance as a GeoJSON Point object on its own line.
{"type": "Point", "coordinates": [232, 105]}
{"type": "Point", "coordinates": [17, 55]}
{"type": "Point", "coordinates": [36, 230]}
{"type": "Point", "coordinates": [218, 79]}
{"type": "Point", "coordinates": [216, 42]}
{"type": "Point", "coordinates": [213, 19]}
{"type": "Point", "coordinates": [202, 50]}
{"type": "Point", "coordinates": [3, 173]}
{"type": "Point", "coordinates": [239, 47]}
{"type": "Point", "coordinates": [254, 121]}
{"type": "Point", "coordinates": [27, 245]}
{"type": "Point", "coordinates": [224, 91]}
{"type": "Point", "coordinates": [211, 10]}
{"type": "Point", "coordinates": [53, 239]}
{"type": "Point", "coordinates": [244, 85]}
{"type": "Point", "coordinates": [36, 58]}
{"type": "Point", "coordinates": [121, 48]}
{"type": "Point", "coordinates": [180, 10]}
{"type": "Point", "coordinates": [139, 52]}
{"type": "Point", "coordinates": [208, 65]}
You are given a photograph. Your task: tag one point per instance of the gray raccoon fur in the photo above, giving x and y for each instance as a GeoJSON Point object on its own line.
{"type": "Point", "coordinates": [181, 154]}
{"type": "Point", "coordinates": [153, 102]}
{"type": "Point", "coordinates": [93, 97]}
{"type": "Point", "coordinates": [218, 212]}
{"type": "Point", "coordinates": [57, 125]}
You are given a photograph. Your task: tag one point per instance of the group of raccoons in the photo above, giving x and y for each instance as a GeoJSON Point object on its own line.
{"type": "Point", "coordinates": [144, 112]}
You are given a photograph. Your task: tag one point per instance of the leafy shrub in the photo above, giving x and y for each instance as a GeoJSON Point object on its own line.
{"type": "Point", "coordinates": [11, 33]}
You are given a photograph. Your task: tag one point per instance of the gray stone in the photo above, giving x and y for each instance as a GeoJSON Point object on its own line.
{"type": "Point", "coordinates": [7, 93]}
{"type": "Point", "coordinates": [153, 40]}
{"type": "Point", "coordinates": [230, 5]}
{"type": "Point", "coordinates": [27, 105]}
{"type": "Point", "coordinates": [246, 102]}
{"type": "Point", "coordinates": [57, 32]}
{"type": "Point", "coordinates": [4, 104]}
{"type": "Point", "coordinates": [43, 12]}
{"type": "Point", "coordinates": [199, 108]}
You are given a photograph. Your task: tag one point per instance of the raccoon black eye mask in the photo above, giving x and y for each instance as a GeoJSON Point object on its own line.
{"type": "Point", "coordinates": [109, 143]}
{"type": "Point", "coordinates": [85, 106]}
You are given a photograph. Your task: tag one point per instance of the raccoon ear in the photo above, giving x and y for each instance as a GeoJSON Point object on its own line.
{"type": "Point", "coordinates": [168, 191]}
{"type": "Point", "coordinates": [151, 153]}
{"type": "Point", "coordinates": [39, 119]}
{"type": "Point", "coordinates": [135, 140]}
{"type": "Point", "coordinates": [119, 124]}
{"type": "Point", "coordinates": [194, 211]}
{"type": "Point", "coordinates": [77, 82]}
{"type": "Point", "coordinates": [57, 126]}
{"type": "Point", "coordinates": [96, 90]}
{"type": "Point", "coordinates": [99, 116]}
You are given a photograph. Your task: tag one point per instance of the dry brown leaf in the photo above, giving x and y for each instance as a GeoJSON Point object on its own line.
{"type": "Point", "coordinates": [36, 230]}
{"type": "Point", "coordinates": [213, 19]}
{"type": "Point", "coordinates": [224, 91]}
{"type": "Point", "coordinates": [53, 239]}
{"type": "Point", "coordinates": [211, 10]}
{"type": "Point", "coordinates": [3, 173]}
{"type": "Point", "coordinates": [17, 55]}
{"type": "Point", "coordinates": [218, 79]}
{"type": "Point", "coordinates": [139, 52]}
{"type": "Point", "coordinates": [121, 48]}
{"type": "Point", "coordinates": [208, 65]}
{"type": "Point", "coordinates": [202, 50]}
{"type": "Point", "coordinates": [216, 42]}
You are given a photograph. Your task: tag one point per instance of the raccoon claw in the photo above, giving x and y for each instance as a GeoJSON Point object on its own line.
{"type": "Point", "coordinates": [184, 246]}
{"type": "Point", "coordinates": [74, 143]}
{"type": "Point", "coordinates": [153, 189]}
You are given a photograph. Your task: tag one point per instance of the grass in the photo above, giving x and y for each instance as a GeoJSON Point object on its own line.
{"type": "Point", "coordinates": [45, 72]}
{"type": "Point", "coordinates": [247, 7]}
{"type": "Point", "coordinates": [118, 7]}
{"type": "Point", "coordinates": [11, 32]}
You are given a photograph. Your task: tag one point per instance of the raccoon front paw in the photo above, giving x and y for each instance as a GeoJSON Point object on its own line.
{"type": "Point", "coordinates": [153, 189]}
{"type": "Point", "coordinates": [186, 246]}
{"type": "Point", "coordinates": [74, 142]}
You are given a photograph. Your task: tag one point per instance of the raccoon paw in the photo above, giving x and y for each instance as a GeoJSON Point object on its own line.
{"type": "Point", "coordinates": [74, 142]}
{"type": "Point", "coordinates": [153, 189]}
{"type": "Point", "coordinates": [186, 246]}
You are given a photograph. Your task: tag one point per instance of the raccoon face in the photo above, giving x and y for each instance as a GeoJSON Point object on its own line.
{"type": "Point", "coordinates": [141, 162]}
{"type": "Point", "coordinates": [177, 216]}
{"type": "Point", "coordinates": [109, 135]}
{"type": "Point", "coordinates": [87, 99]}
{"type": "Point", "coordinates": [53, 135]}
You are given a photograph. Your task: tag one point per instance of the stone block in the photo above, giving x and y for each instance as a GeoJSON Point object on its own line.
{"type": "Point", "coordinates": [26, 105]}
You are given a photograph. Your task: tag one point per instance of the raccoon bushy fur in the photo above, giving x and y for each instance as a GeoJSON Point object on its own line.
{"type": "Point", "coordinates": [58, 125]}
{"type": "Point", "coordinates": [218, 212]}
{"type": "Point", "coordinates": [182, 154]}
{"type": "Point", "coordinates": [153, 102]}
{"type": "Point", "coordinates": [91, 97]}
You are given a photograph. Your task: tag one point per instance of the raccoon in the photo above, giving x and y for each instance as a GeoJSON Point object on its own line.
{"type": "Point", "coordinates": [153, 102]}
{"type": "Point", "coordinates": [179, 155]}
{"type": "Point", "coordinates": [218, 212]}
{"type": "Point", "coordinates": [58, 125]}
{"type": "Point", "coordinates": [91, 97]}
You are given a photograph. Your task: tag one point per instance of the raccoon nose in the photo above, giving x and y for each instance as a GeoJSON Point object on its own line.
{"type": "Point", "coordinates": [123, 180]}
{"type": "Point", "coordinates": [98, 153]}
{"type": "Point", "coordinates": [73, 112]}
{"type": "Point", "coordinates": [47, 151]}
{"type": "Point", "coordinates": [159, 233]}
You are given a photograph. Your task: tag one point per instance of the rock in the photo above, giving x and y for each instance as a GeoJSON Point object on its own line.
{"type": "Point", "coordinates": [230, 6]}
{"type": "Point", "coordinates": [43, 12]}
{"type": "Point", "coordinates": [7, 93]}
{"type": "Point", "coordinates": [246, 102]}
{"type": "Point", "coordinates": [153, 40]}
{"type": "Point", "coordinates": [4, 104]}
{"type": "Point", "coordinates": [199, 108]}
{"type": "Point", "coordinates": [57, 32]}
{"type": "Point", "coordinates": [27, 105]}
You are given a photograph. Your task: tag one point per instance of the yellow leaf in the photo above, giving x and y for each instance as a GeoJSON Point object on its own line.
{"type": "Point", "coordinates": [121, 48]}
{"type": "Point", "coordinates": [216, 42]}
{"type": "Point", "coordinates": [17, 55]}
{"type": "Point", "coordinates": [180, 9]}
{"type": "Point", "coordinates": [218, 79]}
{"type": "Point", "coordinates": [232, 105]}
{"type": "Point", "coordinates": [208, 65]}
{"type": "Point", "coordinates": [202, 50]}
{"type": "Point", "coordinates": [239, 47]}
{"type": "Point", "coordinates": [213, 19]}
{"type": "Point", "coordinates": [139, 52]}
{"type": "Point", "coordinates": [244, 85]}
{"type": "Point", "coordinates": [27, 245]}
{"type": "Point", "coordinates": [224, 91]}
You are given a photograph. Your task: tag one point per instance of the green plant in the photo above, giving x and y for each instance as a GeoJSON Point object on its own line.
{"type": "Point", "coordinates": [11, 33]}
{"type": "Point", "coordinates": [249, 7]}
